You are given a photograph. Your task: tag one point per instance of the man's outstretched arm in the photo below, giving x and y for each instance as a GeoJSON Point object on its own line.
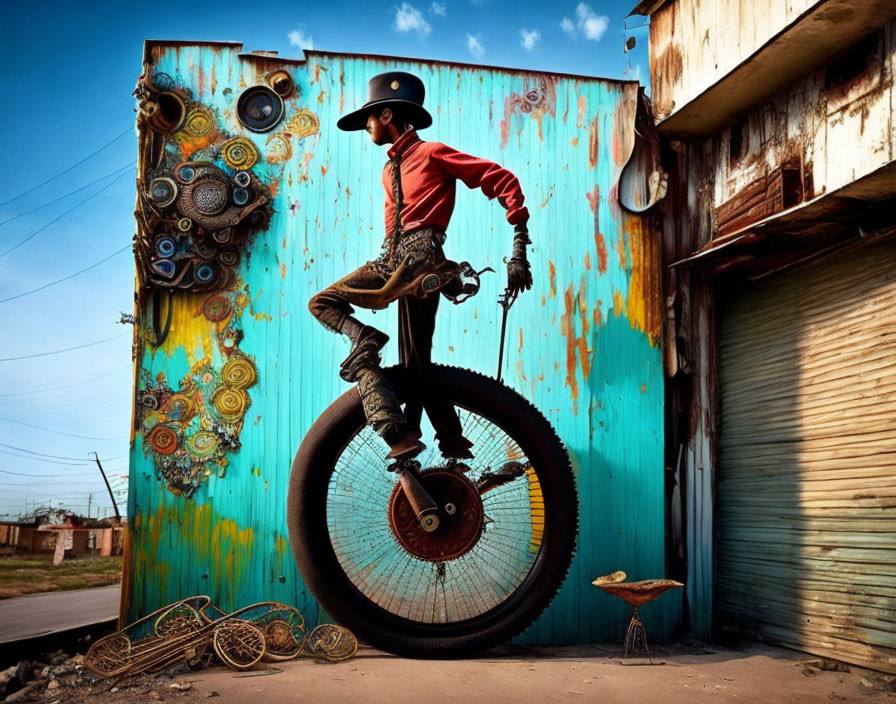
{"type": "Point", "coordinates": [495, 182]}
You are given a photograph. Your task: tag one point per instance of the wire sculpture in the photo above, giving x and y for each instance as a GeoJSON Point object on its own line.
{"type": "Point", "coordinates": [192, 631]}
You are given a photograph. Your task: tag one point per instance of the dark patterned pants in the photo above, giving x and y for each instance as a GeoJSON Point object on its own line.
{"type": "Point", "coordinates": [421, 251]}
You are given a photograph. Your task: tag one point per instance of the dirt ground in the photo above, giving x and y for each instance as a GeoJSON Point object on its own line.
{"type": "Point", "coordinates": [754, 673]}
{"type": "Point", "coordinates": [36, 573]}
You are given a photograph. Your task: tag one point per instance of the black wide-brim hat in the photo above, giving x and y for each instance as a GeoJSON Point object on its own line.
{"type": "Point", "coordinates": [393, 88]}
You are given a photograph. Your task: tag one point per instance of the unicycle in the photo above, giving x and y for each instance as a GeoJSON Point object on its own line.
{"type": "Point", "coordinates": [505, 522]}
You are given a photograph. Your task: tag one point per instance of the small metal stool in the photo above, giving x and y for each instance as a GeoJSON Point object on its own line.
{"type": "Point", "coordinates": [637, 594]}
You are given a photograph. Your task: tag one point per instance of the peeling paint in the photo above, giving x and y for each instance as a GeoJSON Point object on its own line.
{"type": "Point", "coordinates": [324, 226]}
{"type": "Point", "coordinates": [593, 143]}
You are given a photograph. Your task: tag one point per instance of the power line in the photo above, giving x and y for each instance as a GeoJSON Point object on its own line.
{"type": "Point", "coordinates": [40, 459]}
{"type": "Point", "coordinates": [67, 349]}
{"type": "Point", "coordinates": [66, 386]}
{"type": "Point", "coordinates": [57, 432]}
{"type": "Point", "coordinates": [65, 278]}
{"type": "Point", "coordinates": [35, 476]}
{"type": "Point", "coordinates": [42, 454]}
{"type": "Point", "coordinates": [58, 218]}
{"type": "Point", "coordinates": [70, 193]}
{"type": "Point", "coordinates": [84, 481]}
{"type": "Point", "coordinates": [56, 457]}
{"type": "Point", "coordinates": [99, 398]}
{"type": "Point", "coordinates": [53, 178]}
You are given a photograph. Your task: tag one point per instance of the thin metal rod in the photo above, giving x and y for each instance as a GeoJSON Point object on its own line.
{"type": "Point", "coordinates": [505, 301]}
{"type": "Point", "coordinates": [501, 349]}
{"type": "Point", "coordinates": [111, 495]}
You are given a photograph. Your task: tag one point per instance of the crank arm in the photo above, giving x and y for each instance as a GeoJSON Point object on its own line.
{"type": "Point", "coordinates": [506, 473]}
{"type": "Point", "coordinates": [426, 509]}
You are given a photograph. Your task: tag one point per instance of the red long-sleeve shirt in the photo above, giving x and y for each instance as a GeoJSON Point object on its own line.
{"type": "Point", "coordinates": [429, 171]}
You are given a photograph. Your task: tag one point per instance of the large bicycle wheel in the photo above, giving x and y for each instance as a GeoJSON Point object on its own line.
{"type": "Point", "coordinates": [492, 566]}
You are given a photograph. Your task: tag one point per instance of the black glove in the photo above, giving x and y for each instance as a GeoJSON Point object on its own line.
{"type": "Point", "coordinates": [519, 273]}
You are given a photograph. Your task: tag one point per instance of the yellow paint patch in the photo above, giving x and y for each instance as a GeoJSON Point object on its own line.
{"type": "Point", "coordinates": [187, 530]}
{"type": "Point", "coordinates": [644, 304]}
{"type": "Point", "coordinates": [190, 330]}
{"type": "Point", "coordinates": [536, 510]}
{"type": "Point", "coordinates": [618, 303]}
{"type": "Point", "coordinates": [280, 546]}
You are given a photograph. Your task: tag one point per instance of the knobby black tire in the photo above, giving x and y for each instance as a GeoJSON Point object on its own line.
{"type": "Point", "coordinates": [320, 568]}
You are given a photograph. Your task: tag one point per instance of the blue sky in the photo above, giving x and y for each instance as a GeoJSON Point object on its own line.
{"type": "Point", "coordinates": [68, 72]}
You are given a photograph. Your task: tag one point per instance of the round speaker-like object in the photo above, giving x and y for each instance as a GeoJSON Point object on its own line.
{"type": "Point", "coordinates": [162, 191]}
{"type": "Point", "coordinates": [259, 109]}
{"type": "Point", "coordinates": [282, 83]}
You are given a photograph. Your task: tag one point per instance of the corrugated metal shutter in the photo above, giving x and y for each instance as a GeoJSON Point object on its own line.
{"type": "Point", "coordinates": [806, 520]}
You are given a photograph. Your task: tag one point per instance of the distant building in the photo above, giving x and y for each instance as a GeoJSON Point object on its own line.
{"type": "Point", "coordinates": [41, 532]}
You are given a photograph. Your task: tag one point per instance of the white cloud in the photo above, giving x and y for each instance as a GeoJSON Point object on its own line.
{"type": "Point", "coordinates": [591, 25]}
{"type": "Point", "coordinates": [529, 38]}
{"type": "Point", "coordinates": [567, 26]}
{"type": "Point", "coordinates": [409, 19]}
{"type": "Point", "coordinates": [475, 46]}
{"type": "Point", "coordinates": [588, 23]}
{"type": "Point", "coordinates": [437, 8]}
{"type": "Point", "coordinates": [298, 38]}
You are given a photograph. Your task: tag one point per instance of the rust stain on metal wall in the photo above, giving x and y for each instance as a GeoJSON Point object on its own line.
{"type": "Point", "coordinates": [623, 140]}
{"type": "Point", "coordinates": [592, 143]}
{"type": "Point", "coordinates": [537, 99]}
{"type": "Point", "coordinates": [568, 330]}
{"type": "Point", "coordinates": [581, 112]}
{"type": "Point", "coordinates": [578, 352]}
{"type": "Point", "coordinates": [318, 233]}
{"type": "Point", "coordinates": [599, 243]}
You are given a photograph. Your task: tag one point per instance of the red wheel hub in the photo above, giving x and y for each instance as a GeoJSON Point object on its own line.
{"type": "Point", "coordinates": [457, 533]}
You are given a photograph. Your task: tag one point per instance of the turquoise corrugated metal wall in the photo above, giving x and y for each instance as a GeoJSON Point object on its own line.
{"type": "Point", "coordinates": [583, 344]}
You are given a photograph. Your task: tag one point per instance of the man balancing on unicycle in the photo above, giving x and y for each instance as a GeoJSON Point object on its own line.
{"type": "Point", "coordinates": [419, 182]}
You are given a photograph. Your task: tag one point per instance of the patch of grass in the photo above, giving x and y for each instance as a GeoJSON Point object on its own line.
{"type": "Point", "coordinates": [36, 573]}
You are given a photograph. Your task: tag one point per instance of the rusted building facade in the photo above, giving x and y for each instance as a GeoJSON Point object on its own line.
{"type": "Point", "coordinates": [777, 124]}
{"type": "Point", "coordinates": [231, 369]}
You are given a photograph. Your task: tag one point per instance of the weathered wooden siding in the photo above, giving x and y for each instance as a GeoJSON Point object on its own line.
{"type": "Point", "coordinates": [806, 511]}
{"type": "Point", "coordinates": [711, 61]}
{"type": "Point", "coordinates": [584, 344]}
{"type": "Point", "coordinates": [838, 134]}
{"type": "Point", "coordinates": [834, 132]}
{"type": "Point", "coordinates": [694, 43]}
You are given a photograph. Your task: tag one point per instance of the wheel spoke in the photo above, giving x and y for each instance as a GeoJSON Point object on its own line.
{"type": "Point", "coordinates": [381, 568]}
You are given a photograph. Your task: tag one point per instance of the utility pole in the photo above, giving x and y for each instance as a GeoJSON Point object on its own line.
{"type": "Point", "coordinates": [89, 501]}
{"type": "Point", "coordinates": [109, 488]}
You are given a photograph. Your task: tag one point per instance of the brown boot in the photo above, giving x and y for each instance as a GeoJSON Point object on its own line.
{"type": "Point", "coordinates": [456, 447]}
{"type": "Point", "coordinates": [365, 352]}
{"type": "Point", "coordinates": [405, 443]}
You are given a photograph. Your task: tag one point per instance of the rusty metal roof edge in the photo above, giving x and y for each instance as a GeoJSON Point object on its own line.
{"type": "Point", "coordinates": [149, 43]}
{"type": "Point", "coordinates": [274, 59]}
{"type": "Point", "coordinates": [663, 125]}
{"type": "Point", "coordinates": [647, 7]}
{"type": "Point", "coordinates": [462, 64]}
{"type": "Point", "coordinates": [750, 230]}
